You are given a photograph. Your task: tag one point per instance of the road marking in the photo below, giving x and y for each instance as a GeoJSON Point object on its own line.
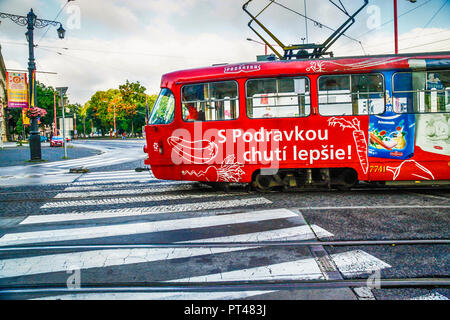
{"type": "Point", "coordinates": [141, 228]}
{"type": "Point", "coordinates": [356, 262]}
{"type": "Point", "coordinates": [108, 174]}
{"type": "Point", "coordinates": [158, 296]}
{"type": "Point", "coordinates": [294, 233]}
{"type": "Point", "coordinates": [98, 258]}
{"type": "Point", "coordinates": [112, 201]}
{"type": "Point", "coordinates": [122, 184]}
{"type": "Point", "coordinates": [124, 178]}
{"type": "Point", "coordinates": [113, 257]}
{"type": "Point", "coordinates": [303, 269]}
{"type": "Point", "coordinates": [115, 181]}
{"type": "Point", "coordinates": [431, 296]}
{"type": "Point", "coordinates": [101, 214]}
{"type": "Point", "coordinates": [121, 192]}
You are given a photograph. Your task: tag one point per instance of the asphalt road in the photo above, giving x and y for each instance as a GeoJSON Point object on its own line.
{"type": "Point", "coordinates": [17, 156]}
{"type": "Point", "coordinates": [118, 206]}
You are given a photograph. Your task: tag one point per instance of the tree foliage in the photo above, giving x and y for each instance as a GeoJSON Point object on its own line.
{"type": "Point", "coordinates": [128, 103]}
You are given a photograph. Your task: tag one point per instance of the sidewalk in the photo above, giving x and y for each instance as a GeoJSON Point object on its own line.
{"type": "Point", "coordinates": [10, 145]}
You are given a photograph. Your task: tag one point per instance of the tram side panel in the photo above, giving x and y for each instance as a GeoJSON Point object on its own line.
{"type": "Point", "coordinates": [406, 145]}
{"type": "Point", "coordinates": [391, 146]}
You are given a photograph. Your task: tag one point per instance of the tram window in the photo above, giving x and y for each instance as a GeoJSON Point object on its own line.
{"type": "Point", "coordinates": [278, 98]}
{"type": "Point", "coordinates": [210, 101]}
{"type": "Point", "coordinates": [421, 92]}
{"type": "Point", "coordinates": [347, 95]}
{"type": "Point", "coordinates": [163, 110]}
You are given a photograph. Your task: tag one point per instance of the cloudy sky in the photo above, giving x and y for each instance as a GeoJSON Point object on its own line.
{"type": "Point", "coordinates": [110, 41]}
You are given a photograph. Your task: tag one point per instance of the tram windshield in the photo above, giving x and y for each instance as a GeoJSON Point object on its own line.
{"type": "Point", "coordinates": [164, 108]}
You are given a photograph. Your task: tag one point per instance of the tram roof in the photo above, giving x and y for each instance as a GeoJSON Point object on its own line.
{"type": "Point", "coordinates": [320, 66]}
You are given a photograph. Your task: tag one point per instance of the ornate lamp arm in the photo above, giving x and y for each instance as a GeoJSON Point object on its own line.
{"type": "Point", "coordinates": [20, 20]}
{"type": "Point", "coordinates": [23, 21]}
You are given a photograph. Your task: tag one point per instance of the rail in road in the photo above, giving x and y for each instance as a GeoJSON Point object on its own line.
{"type": "Point", "coordinates": [199, 242]}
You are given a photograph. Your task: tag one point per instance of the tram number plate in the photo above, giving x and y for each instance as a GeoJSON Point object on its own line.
{"type": "Point", "coordinates": [377, 169]}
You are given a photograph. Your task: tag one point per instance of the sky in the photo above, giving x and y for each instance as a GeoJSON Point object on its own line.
{"type": "Point", "coordinates": [110, 41]}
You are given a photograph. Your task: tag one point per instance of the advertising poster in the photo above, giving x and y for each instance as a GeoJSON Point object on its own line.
{"type": "Point", "coordinates": [17, 90]}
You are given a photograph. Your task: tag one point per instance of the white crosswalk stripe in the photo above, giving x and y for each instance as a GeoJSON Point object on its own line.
{"type": "Point", "coordinates": [181, 226]}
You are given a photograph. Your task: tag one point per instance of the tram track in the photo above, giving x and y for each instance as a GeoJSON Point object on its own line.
{"type": "Point", "coordinates": [429, 282]}
{"type": "Point", "coordinates": [96, 193]}
{"type": "Point", "coordinates": [224, 286]}
{"type": "Point", "coordinates": [285, 243]}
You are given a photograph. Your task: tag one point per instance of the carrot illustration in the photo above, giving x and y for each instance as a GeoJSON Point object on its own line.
{"type": "Point", "coordinates": [359, 138]}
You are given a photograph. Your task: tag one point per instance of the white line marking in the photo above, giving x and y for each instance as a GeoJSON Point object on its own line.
{"type": "Point", "coordinates": [74, 195]}
{"type": "Point", "coordinates": [141, 228]}
{"type": "Point", "coordinates": [123, 184]}
{"type": "Point", "coordinates": [431, 296]}
{"type": "Point", "coordinates": [145, 210]}
{"type": "Point", "coordinates": [125, 173]}
{"type": "Point", "coordinates": [305, 269]}
{"type": "Point", "coordinates": [112, 201]}
{"type": "Point", "coordinates": [112, 257]}
{"type": "Point", "coordinates": [90, 183]}
{"type": "Point", "coordinates": [294, 233]}
{"type": "Point", "coordinates": [98, 258]}
{"type": "Point", "coordinates": [356, 262]}
{"type": "Point", "coordinates": [158, 296]}
{"type": "Point", "coordinates": [125, 178]}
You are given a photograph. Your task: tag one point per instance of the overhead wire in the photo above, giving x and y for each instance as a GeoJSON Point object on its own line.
{"type": "Point", "coordinates": [389, 21]}
{"type": "Point", "coordinates": [46, 30]}
{"type": "Point", "coordinates": [436, 13]}
{"type": "Point", "coordinates": [423, 45]}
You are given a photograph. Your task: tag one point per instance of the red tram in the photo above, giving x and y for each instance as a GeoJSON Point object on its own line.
{"type": "Point", "coordinates": [297, 123]}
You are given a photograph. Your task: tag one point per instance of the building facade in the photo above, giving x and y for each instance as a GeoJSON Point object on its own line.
{"type": "Point", "coordinates": [3, 98]}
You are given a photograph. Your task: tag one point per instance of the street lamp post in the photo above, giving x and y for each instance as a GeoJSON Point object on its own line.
{"type": "Point", "coordinates": [31, 22]}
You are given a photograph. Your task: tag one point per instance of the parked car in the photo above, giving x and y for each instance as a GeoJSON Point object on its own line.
{"type": "Point", "coordinates": [44, 139]}
{"type": "Point", "coordinates": [56, 141]}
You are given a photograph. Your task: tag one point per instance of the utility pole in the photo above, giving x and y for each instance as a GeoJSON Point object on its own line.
{"type": "Point", "coordinates": [395, 27]}
{"type": "Point", "coordinates": [306, 23]}
{"type": "Point", "coordinates": [75, 133]}
{"type": "Point", "coordinates": [62, 91]}
{"type": "Point", "coordinates": [55, 129]}
{"type": "Point", "coordinates": [114, 120]}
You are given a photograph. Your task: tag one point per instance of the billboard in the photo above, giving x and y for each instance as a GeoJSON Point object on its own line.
{"type": "Point", "coordinates": [17, 89]}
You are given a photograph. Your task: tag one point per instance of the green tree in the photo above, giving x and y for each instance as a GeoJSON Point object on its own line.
{"type": "Point", "coordinates": [102, 103]}
{"type": "Point", "coordinates": [45, 100]}
{"type": "Point", "coordinates": [133, 98]}
{"type": "Point", "coordinates": [84, 113]}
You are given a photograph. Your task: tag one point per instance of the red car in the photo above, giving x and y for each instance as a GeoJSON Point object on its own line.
{"type": "Point", "coordinates": [56, 141]}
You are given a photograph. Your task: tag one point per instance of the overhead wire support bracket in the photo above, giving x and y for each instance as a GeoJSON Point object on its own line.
{"type": "Point", "coordinates": [304, 51]}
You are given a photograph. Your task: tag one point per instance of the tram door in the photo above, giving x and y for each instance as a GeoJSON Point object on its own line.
{"type": "Point", "coordinates": [159, 128]}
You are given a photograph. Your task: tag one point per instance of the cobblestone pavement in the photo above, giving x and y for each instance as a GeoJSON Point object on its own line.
{"type": "Point", "coordinates": [121, 206]}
